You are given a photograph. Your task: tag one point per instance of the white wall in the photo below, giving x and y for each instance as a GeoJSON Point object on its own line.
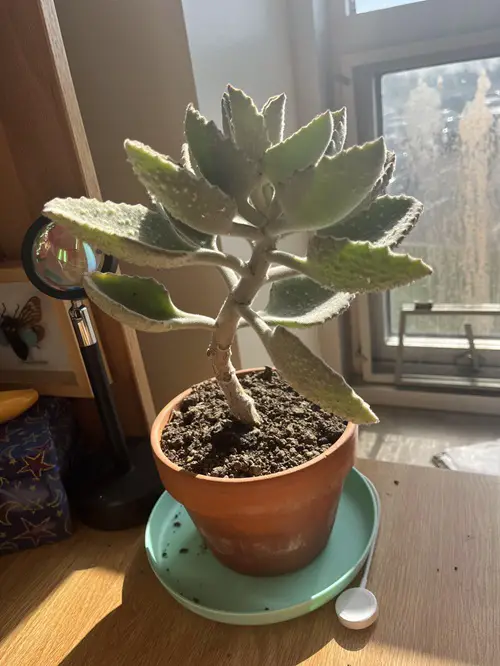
{"type": "Point", "coordinates": [135, 65]}
{"type": "Point", "coordinates": [248, 44]}
{"type": "Point", "coordinates": [132, 73]}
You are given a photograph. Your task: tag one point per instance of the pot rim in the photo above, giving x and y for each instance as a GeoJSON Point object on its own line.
{"type": "Point", "coordinates": [160, 422]}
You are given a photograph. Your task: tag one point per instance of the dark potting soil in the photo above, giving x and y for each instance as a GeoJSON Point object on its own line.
{"type": "Point", "coordinates": [204, 439]}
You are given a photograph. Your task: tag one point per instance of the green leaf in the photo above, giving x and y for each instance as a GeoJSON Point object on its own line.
{"type": "Point", "coordinates": [188, 161]}
{"type": "Point", "coordinates": [314, 379]}
{"type": "Point", "coordinates": [227, 123]}
{"type": "Point", "coordinates": [327, 192]}
{"type": "Point", "coordinates": [192, 200]}
{"type": "Point", "coordinates": [387, 173]}
{"type": "Point", "coordinates": [379, 188]}
{"type": "Point", "coordinates": [300, 150]}
{"type": "Point", "coordinates": [248, 124]}
{"type": "Point", "coordinates": [386, 223]}
{"type": "Point", "coordinates": [274, 117]}
{"type": "Point", "coordinates": [130, 233]}
{"type": "Point", "coordinates": [298, 302]}
{"type": "Point", "coordinates": [193, 237]}
{"type": "Point", "coordinates": [139, 302]}
{"type": "Point", "coordinates": [218, 158]}
{"type": "Point", "coordinates": [196, 239]}
{"type": "Point", "coordinates": [359, 266]}
{"type": "Point", "coordinates": [339, 134]}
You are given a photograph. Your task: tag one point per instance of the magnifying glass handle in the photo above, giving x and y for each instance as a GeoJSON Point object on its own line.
{"type": "Point", "coordinates": [98, 379]}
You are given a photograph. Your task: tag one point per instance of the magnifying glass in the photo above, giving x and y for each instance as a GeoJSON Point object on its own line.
{"type": "Point", "coordinates": [55, 262]}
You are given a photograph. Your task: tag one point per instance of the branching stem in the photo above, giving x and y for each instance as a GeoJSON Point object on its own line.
{"type": "Point", "coordinates": [280, 272]}
{"type": "Point", "coordinates": [212, 257]}
{"type": "Point", "coordinates": [240, 403]}
{"type": "Point", "coordinates": [286, 259]}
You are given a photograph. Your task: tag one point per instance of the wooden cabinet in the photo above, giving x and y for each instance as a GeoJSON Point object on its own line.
{"type": "Point", "coordinates": [43, 154]}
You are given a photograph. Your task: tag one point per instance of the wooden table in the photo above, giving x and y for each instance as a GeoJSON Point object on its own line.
{"type": "Point", "coordinates": [93, 600]}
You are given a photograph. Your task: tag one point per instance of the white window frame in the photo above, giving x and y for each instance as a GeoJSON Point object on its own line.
{"type": "Point", "coordinates": [413, 45]}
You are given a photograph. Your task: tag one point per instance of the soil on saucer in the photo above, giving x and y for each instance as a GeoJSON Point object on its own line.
{"type": "Point", "coordinates": [202, 437]}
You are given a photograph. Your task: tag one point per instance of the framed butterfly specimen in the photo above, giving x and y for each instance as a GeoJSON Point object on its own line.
{"type": "Point", "coordinates": [38, 348]}
{"type": "Point", "coordinates": [22, 330]}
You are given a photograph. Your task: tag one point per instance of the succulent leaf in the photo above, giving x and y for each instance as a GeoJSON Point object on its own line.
{"type": "Point", "coordinates": [249, 126]}
{"type": "Point", "coordinates": [387, 173]}
{"type": "Point", "coordinates": [195, 238]}
{"type": "Point", "coordinates": [227, 123]}
{"type": "Point", "coordinates": [386, 222]}
{"type": "Point", "coordinates": [380, 186]}
{"type": "Point", "coordinates": [300, 150]}
{"type": "Point", "coordinates": [314, 379]}
{"type": "Point", "coordinates": [139, 302]}
{"type": "Point", "coordinates": [324, 194]}
{"type": "Point", "coordinates": [192, 200]}
{"type": "Point", "coordinates": [339, 134]}
{"type": "Point", "coordinates": [130, 233]}
{"type": "Point", "coordinates": [359, 266]}
{"type": "Point", "coordinates": [274, 117]}
{"type": "Point", "coordinates": [299, 302]}
{"type": "Point", "coordinates": [218, 158]}
{"type": "Point", "coordinates": [188, 161]}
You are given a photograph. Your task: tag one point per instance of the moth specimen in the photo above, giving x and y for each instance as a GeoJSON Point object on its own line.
{"type": "Point", "coordinates": [22, 330]}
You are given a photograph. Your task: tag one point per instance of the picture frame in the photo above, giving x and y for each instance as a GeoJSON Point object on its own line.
{"type": "Point", "coordinates": [54, 365]}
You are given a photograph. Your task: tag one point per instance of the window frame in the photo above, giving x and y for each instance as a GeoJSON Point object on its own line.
{"type": "Point", "coordinates": [358, 76]}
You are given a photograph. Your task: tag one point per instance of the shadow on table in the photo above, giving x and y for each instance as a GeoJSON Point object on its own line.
{"type": "Point", "coordinates": [438, 591]}
{"type": "Point", "coordinates": [29, 577]}
{"type": "Point", "coordinates": [151, 628]}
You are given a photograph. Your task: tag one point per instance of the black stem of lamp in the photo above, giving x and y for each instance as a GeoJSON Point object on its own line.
{"type": "Point", "coordinates": [92, 358]}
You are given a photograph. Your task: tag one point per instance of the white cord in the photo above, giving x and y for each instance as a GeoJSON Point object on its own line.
{"type": "Point", "coordinates": [369, 559]}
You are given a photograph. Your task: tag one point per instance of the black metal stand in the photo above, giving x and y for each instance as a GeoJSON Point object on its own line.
{"type": "Point", "coordinates": [107, 500]}
{"type": "Point", "coordinates": [117, 490]}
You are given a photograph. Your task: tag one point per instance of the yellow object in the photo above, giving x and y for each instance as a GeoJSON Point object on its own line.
{"type": "Point", "coordinates": [14, 403]}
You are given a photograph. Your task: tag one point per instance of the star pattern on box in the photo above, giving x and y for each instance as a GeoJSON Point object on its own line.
{"type": "Point", "coordinates": [36, 465]}
{"type": "Point", "coordinates": [5, 510]}
{"type": "Point", "coordinates": [34, 453]}
{"type": "Point", "coordinates": [36, 532]}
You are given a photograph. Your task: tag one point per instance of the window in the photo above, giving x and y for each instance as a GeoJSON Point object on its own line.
{"type": "Point", "coordinates": [440, 111]}
{"type": "Point", "coordinates": [362, 6]}
{"type": "Point", "coordinates": [443, 123]}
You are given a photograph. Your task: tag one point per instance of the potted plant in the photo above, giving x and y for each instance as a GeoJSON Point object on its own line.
{"type": "Point", "coordinates": [258, 457]}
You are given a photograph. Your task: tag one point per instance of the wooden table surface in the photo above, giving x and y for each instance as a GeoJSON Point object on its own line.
{"type": "Point", "coordinates": [92, 600]}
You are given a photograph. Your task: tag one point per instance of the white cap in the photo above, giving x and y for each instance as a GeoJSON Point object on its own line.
{"type": "Point", "coordinates": [357, 608]}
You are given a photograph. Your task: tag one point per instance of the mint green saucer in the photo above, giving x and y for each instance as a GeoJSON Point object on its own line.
{"type": "Point", "coordinates": [196, 580]}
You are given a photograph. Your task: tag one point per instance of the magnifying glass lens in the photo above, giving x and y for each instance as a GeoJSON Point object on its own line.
{"type": "Point", "coordinates": [60, 260]}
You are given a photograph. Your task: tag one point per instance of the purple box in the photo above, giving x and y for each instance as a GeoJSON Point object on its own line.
{"type": "Point", "coordinates": [35, 456]}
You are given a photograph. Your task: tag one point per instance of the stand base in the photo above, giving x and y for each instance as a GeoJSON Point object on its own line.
{"type": "Point", "coordinates": [119, 501]}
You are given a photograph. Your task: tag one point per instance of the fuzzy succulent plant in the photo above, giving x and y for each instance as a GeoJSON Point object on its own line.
{"type": "Point", "coordinates": [250, 182]}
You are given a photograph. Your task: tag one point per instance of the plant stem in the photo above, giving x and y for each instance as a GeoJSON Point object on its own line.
{"type": "Point", "coordinates": [256, 322]}
{"type": "Point", "coordinates": [242, 230]}
{"type": "Point", "coordinates": [204, 256]}
{"type": "Point", "coordinates": [241, 405]}
{"type": "Point", "coordinates": [286, 259]}
{"type": "Point", "coordinates": [280, 272]}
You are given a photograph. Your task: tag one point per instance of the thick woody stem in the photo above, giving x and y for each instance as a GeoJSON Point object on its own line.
{"type": "Point", "coordinates": [241, 405]}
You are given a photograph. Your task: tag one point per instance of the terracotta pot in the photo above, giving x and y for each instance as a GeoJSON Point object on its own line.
{"type": "Point", "coordinates": [265, 525]}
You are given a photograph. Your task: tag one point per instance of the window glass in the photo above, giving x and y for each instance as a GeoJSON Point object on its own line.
{"type": "Point", "coordinates": [443, 123]}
